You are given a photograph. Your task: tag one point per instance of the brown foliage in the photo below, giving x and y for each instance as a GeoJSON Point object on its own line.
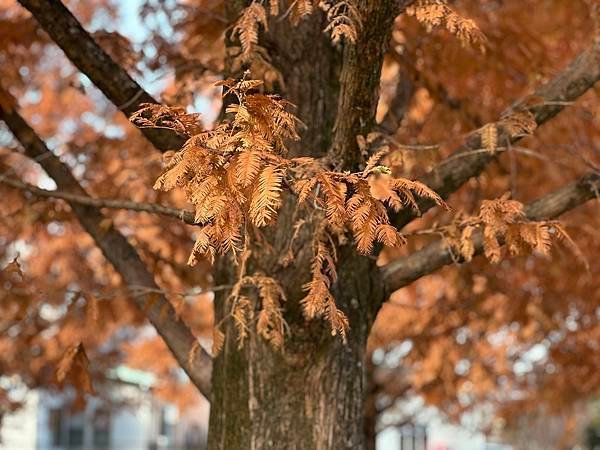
{"type": "Point", "coordinates": [469, 325]}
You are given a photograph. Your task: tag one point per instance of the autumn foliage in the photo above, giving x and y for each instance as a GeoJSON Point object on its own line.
{"type": "Point", "coordinates": [249, 222]}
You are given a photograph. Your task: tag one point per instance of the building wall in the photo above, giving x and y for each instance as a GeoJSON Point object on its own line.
{"type": "Point", "coordinates": [134, 427]}
{"type": "Point", "coordinates": [19, 430]}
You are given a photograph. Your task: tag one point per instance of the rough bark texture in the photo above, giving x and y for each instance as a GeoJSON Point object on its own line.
{"type": "Point", "coordinates": [359, 80]}
{"type": "Point", "coordinates": [370, 413]}
{"type": "Point", "coordinates": [311, 69]}
{"type": "Point", "coordinates": [311, 395]}
{"type": "Point", "coordinates": [120, 253]}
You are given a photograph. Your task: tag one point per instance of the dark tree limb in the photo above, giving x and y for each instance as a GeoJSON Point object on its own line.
{"type": "Point", "coordinates": [112, 79]}
{"type": "Point", "coordinates": [121, 254]}
{"type": "Point", "coordinates": [152, 208]}
{"type": "Point", "coordinates": [360, 78]}
{"type": "Point", "coordinates": [436, 255]}
{"type": "Point", "coordinates": [548, 101]}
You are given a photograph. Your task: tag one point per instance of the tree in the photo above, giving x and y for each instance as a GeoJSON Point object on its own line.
{"type": "Point", "coordinates": [291, 205]}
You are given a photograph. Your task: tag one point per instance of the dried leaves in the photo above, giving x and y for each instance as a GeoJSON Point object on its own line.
{"type": "Point", "coordinates": [433, 13]}
{"type": "Point", "coordinates": [503, 221]}
{"type": "Point", "coordinates": [489, 137]}
{"type": "Point", "coordinates": [250, 53]}
{"type": "Point", "coordinates": [319, 301]}
{"type": "Point", "coordinates": [270, 324]}
{"type": "Point", "coordinates": [360, 201]}
{"type": "Point", "coordinates": [357, 201]}
{"type": "Point", "coordinates": [235, 176]}
{"type": "Point", "coordinates": [267, 200]}
{"type": "Point", "coordinates": [247, 26]}
{"type": "Point", "coordinates": [73, 367]}
{"type": "Point", "coordinates": [152, 115]}
{"type": "Point", "coordinates": [344, 20]}
{"type": "Point", "coordinates": [516, 123]}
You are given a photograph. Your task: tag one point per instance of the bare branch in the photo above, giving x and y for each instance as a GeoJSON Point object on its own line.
{"type": "Point", "coordinates": [404, 271]}
{"type": "Point", "coordinates": [550, 99]}
{"type": "Point", "coordinates": [121, 254]}
{"type": "Point", "coordinates": [112, 79]}
{"type": "Point", "coordinates": [153, 208]}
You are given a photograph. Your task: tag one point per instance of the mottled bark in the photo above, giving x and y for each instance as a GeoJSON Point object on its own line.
{"type": "Point", "coordinates": [359, 80]}
{"type": "Point", "coordinates": [311, 395]}
{"type": "Point", "coordinates": [370, 408]}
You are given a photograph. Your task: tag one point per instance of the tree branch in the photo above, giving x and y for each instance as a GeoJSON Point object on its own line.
{"type": "Point", "coordinates": [550, 99]}
{"type": "Point", "coordinates": [404, 271]}
{"type": "Point", "coordinates": [121, 254]}
{"type": "Point", "coordinates": [360, 78]}
{"type": "Point", "coordinates": [153, 208]}
{"type": "Point", "coordinates": [114, 81]}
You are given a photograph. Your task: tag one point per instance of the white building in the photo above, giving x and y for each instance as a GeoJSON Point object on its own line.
{"type": "Point", "coordinates": [45, 422]}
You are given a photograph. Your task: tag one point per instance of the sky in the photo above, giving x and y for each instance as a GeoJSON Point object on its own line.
{"type": "Point", "coordinates": [132, 27]}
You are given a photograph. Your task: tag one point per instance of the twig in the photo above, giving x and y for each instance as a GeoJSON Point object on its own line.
{"type": "Point", "coordinates": [153, 208]}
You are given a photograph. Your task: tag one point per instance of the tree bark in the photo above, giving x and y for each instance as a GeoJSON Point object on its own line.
{"type": "Point", "coordinates": [370, 413]}
{"type": "Point", "coordinates": [311, 394]}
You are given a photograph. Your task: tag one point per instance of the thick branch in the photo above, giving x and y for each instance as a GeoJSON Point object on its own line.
{"type": "Point", "coordinates": [360, 78]}
{"type": "Point", "coordinates": [93, 61]}
{"type": "Point", "coordinates": [549, 100]}
{"type": "Point", "coordinates": [121, 254]}
{"type": "Point", "coordinates": [153, 208]}
{"type": "Point", "coordinates": [404, 271]}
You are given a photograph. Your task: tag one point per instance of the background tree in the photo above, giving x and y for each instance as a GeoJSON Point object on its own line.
{"type": "Point", "coordinates": [294, 307]}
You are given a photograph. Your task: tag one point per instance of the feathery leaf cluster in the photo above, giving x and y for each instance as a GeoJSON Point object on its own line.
{"type": "Point", "coordinates": [235, 176]}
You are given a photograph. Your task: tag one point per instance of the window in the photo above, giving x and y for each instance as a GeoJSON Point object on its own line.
{"type": "Point", "coordinates": [55, 426]}
{"type": "Point", "coordinates": [413, 437]}
{"type": "Point", "coordinates": [101, 438]}
{"type": "Point", "coordinates": [75, 432]}
{"type": "Point", "coordinates": [66, 430]}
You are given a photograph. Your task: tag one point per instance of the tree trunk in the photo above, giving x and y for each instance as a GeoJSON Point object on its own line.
{"type": "Point", "coordinates": [370, 412]}
{"type": "Point", "coordinates": [311, 394]}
